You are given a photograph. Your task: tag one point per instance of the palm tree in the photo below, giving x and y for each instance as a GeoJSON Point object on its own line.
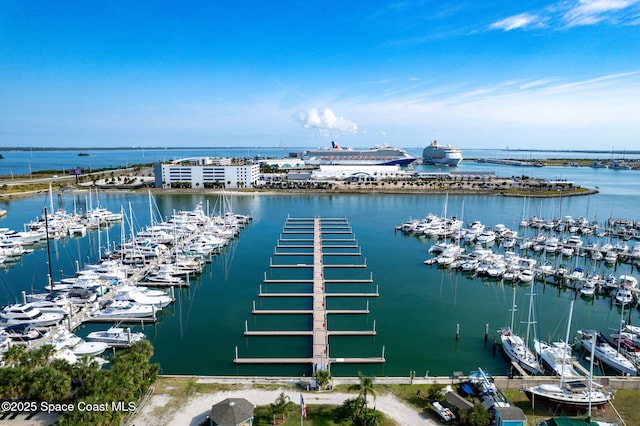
{"type": "Point", "coordinates": [279, 406]}
{"type": "Point", "coordinates": [16, 356]}
{"type": "Point", "coordinates": [49, 384]}
{"type": "Point", "coordinates": [323, 377]}
{"type": "Point", "coordinates": [365, 386]}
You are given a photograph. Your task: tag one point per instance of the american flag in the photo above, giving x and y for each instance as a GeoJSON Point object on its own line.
{"type": "Point", "coordinates": [303, 407]}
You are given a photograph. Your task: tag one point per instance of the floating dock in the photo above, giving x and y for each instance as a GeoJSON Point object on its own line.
{"type": "Point", "coordinates": [314, 247]}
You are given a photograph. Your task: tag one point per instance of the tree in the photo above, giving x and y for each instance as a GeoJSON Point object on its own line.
{"type": "Point", "coordinates": [364, 387]}
{"type": "Point", "coordinates": [14, 382]}
{"type": "Point", "coordinates": [476, 416]}
{"type": "Point", "coordinates": [323, 378]}
{"type": "Point", "coordinates": [16, 356]}
{"type": "Point", "coordinates": [49, 384]}
{"type": "Point", "coordinates": [279, 406]}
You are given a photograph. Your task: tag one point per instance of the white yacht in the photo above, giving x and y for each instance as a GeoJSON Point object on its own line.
{"type": "Point", "coordinates": [557, 358]}
{"type": "Point", "coordinates": [116, 336]}
{"type": "Point", "coordinates": [623, 296]}
{"type": "Point", "coordinates": [26, 313]}
{"type": "Point", "coordinates": [142, 298]}
{"type": "Point", "coordinates": [526, 275]}
{"type": "Point", "coordinates": [120, 309]}
{"type": "Point", "coordinates": [487, 236]}
{"type": "Point", "coordinates": [77, 345]}
{"type": "Point", "coordinates": [588, 288]}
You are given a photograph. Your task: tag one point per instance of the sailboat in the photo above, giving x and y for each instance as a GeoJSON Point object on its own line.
{"type": "Point", "coordinates": [556, 356]}
{"type": "Point", "coordinates": [574, 393]}
{"type": "Point", "coordinates": [515, 347]}
{"type": "Point", "coordinates": [593, 340]}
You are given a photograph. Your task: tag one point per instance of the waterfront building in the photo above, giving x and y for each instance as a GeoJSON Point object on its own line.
{"type": "Point", "coordinates": [203, 173]}
{"type": "Point", "coordinates": [283, 163]}
{"type": "Point", "coordinates": [359, 172]}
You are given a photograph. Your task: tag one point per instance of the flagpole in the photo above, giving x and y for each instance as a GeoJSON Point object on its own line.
{"type": "Point", "coordinates": [303, 409]}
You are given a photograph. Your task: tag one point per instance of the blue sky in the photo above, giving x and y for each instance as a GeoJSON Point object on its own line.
{"type": "Point", "coordinates": [476, 74]}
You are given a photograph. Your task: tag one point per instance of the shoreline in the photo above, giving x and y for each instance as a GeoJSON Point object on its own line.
{"type": "Point", "coordinates": [390, 191]}
{"type": "Point", "coordinates": [292, 192]}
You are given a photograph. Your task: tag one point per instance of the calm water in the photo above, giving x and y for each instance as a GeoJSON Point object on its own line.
{"type": "Point", "coordinates": [419, 307]}
{"type": "Point", "coordinates": [24, 162]}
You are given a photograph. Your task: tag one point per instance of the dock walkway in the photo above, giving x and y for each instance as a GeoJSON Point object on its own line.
{"type": "Point", "coordinates": [320, 356]}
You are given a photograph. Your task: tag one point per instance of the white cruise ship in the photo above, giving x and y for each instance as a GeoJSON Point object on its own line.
{"type": "Point", "coordinates": [440, 155]}
{"type": "Point", "coordinates": [375, 156]}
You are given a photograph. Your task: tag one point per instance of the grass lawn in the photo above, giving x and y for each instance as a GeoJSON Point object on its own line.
{"type": "Point", "coordinates": [317, 415]}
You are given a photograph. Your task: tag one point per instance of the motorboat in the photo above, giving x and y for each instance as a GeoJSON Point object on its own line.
{"type": "Point", "coordinates": [122, 309]}
{"type": "Point", "coordinates": [77, 345]}
{"type": "Point", "coordinates": [557, 358]}
{"type": "Point", "coordinates": [82, 295]}
{"type": "Point", "coordinates": [486, 237]}
{"type": "Point", "coordinates": [588, 288]}
{"type": "Point", "coordinates": [165, 278]}
{"type": "Point", "coordinates": [26, 313]}
{"type": "Point", "coordinates": [526, 275]}
{"type": "Point", "coordinates": [116, 336]}
{"type": "Point", "coordinates": [20, 333]}
{"type": "Point", "coordinates": [141, 298]}
{"type": "Point", "coordinates": [577, 274]}
{"type": "Point", "coordinates": [623, 296]}
{"type": "Point", "coordinates": [628, 281]}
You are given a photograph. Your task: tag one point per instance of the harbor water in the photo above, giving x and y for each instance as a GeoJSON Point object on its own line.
{"type": "Point", "coordinates": [419, 309]}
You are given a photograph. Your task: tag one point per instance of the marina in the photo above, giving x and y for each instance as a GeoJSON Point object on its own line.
{"type": "Point", "coordinates": [219, 299]}
{"type": "Point", "coordinates": [111, 291]}
{"type": "Point", "coordinates": [321, 356]}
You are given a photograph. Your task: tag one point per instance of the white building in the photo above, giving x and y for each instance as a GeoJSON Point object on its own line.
{"type": "Point", "coordinates": [349, 172]}
{"type": "Point", "coordinates": [205, 176]}
{"type": "Point", "coordinates": [283, 163]}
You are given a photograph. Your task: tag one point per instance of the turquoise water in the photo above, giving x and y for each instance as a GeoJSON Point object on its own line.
{"type": "Point", "coordinates": [419, 306]}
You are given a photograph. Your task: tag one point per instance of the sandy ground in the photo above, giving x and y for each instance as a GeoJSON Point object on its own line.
{"type": "Point", "coordinates": [196, 410]}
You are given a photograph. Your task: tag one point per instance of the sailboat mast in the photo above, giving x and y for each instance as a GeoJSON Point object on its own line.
{"type": "Point", "coordinates": [150, 209]}
{"type": "Point", "coordinates": [51, 198]}
{"type": "Point", "coordinates": [513, 309]}
{"type": "Point", "coordinates": [46, 230]}
{"type": "Point", "coordinates": [566, 343]}
{"type": "Point", "coordinates": [529, 316]}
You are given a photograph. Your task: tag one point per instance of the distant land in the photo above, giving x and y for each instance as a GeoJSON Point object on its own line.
{"type": "Point", "coordinates": [132, 148]}
{"type": "Point", "coordinates": [136, 148]}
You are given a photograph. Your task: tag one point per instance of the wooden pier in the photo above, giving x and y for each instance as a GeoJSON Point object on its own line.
{"type": "Point", "coordinates": [319, 333]}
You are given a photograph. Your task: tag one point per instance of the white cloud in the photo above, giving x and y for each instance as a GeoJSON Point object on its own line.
{"type": "Point", "coordinates": [571, 13]}
{"type": "Point", "coordinates": [517, 21]}
{"type": "Point", "coordinates": [589, 12]}
{"type": "Point", "coordinates": [545, 112]}
{"type": "Point", "coordinates": [326, 122]}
